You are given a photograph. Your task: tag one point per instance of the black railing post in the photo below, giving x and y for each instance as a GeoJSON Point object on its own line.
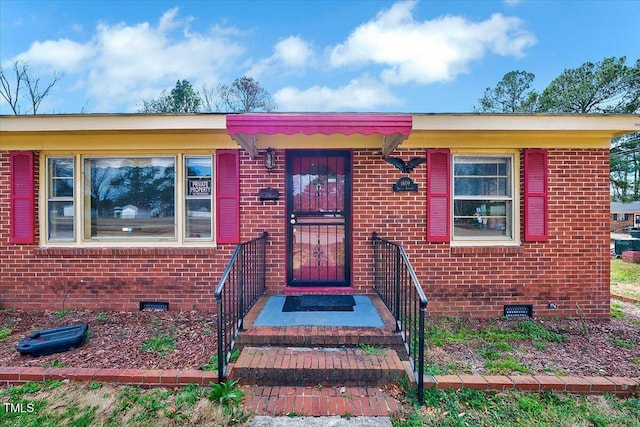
{"type": "Point", "coordinates": [374, 243]}
{"type": "Point", "coordinates": [241, 286]}
{"type": "Point", "coordinates": [236, 293]}
{"type": "Point", "coordinates": [420, 379]}
{"type": "Point", "coordinates": [263, 257]}
{"type": "Point", "coordinates": [397, 283]}
{"type": "Point", "coordinates": [404, 297]}
{"type": "Point", "coordinates": [221, 347]}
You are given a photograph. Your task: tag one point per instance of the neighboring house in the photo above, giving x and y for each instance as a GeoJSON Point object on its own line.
{"type": "Point", "coordinates": [129, 212]}
{"type": "Point", "coordinates": [507, 209]}
{"type": "Point", "coordinates": [624, 215]}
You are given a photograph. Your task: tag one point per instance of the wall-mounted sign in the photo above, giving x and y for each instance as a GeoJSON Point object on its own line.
{"type": "Point", "coordinates": [268, 193]}
{"type": "Point", "coordinates": [405, 184]}
{"type": "Point", "coordinates": [199, 187]}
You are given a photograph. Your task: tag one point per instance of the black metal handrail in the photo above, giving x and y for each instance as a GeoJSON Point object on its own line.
{"type": "Point", "coordinates": [398, 287]}
{"type": "Point", "coordinates": [241, 284]}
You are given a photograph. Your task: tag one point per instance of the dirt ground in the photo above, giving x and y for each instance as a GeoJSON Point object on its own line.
{"type": "Point", "coordinates": [605, 347]}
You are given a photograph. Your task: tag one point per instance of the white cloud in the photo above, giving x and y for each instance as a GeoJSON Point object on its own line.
{"type": "Point", "coordinates": [137, 62]}
{"type": "Point", "coordinates": [360, 94]}
{"type": "Point", "coordinates": [293, 52]}
{"type": "Point", "coordinates": [291, 55]}
{"type": "Point", "coordinates": [61, 55]}
{"type": "Point", "coordinates": [123, 64]}
{"type": "Point", "coordinates": [428, 51]}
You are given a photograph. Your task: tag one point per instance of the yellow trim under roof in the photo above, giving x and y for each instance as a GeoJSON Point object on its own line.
{"type": "Point", "coordinates": [140, 132]}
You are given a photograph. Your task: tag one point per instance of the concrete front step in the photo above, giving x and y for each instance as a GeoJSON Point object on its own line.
{"type": "Point", "coordinates": [321, 336]}
{"type": "Point", "coordinates": [304, 366]}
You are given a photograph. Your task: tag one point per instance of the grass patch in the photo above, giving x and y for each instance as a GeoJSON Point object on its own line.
{"type": "Point", "coordinates": [161, 344]}
{"type": "Point", "coordinates": [624, 272]}
{"type": "Point", "coordinates": [5, 334]}
{"type": "Point", "coordinates": [510, 408]}
{"type": "Point", "coordinates": [56, 363]}
{"type": "Point", "coordinates": [628, 344]}
{"type": "Point", "coordinates": [62, 313]}
{"type": "Point", "coordinates": [625, 279]}
{"type": "Point", "coordinates": [370, 349]}
{"type": "Point", "coordinates": [452, 331]}
{"type": "Point", "coordinates": [450, 369]}
{"type": "Point", "coordinates": [492, 342]}
{"type": "Point", "coordinates": [212, 365]}
{"type": "Point", "coordinates": [506, 366]}
{"type": "Point", "coordinates": [616, 310]}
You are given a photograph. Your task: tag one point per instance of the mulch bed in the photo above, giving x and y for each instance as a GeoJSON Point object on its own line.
{"type": "Point", "coordinates": [115, 339]}
{"type": "Point", "coordinates": [593, 346]}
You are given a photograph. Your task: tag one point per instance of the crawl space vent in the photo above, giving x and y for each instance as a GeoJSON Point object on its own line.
{"type": "Point", "coordinates": [154, 305]}
{"type": "Point", "coordinates": [520, 311]}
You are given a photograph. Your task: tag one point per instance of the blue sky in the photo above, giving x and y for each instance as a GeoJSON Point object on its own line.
{"type": "Point", "coordinates": [411, 56]}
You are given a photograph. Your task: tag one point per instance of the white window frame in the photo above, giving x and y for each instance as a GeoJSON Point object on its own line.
{"type": "Point", "coordinates": [186, 197]}
{"type": "Point", "coordinates": [179, 240]}
{"type": "Point", "coordinates": [49, 198]}
{"type": "Point", "coordinates": [514, 199]}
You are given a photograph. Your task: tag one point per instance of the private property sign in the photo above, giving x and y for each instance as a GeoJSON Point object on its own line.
{"type": "Point", "coordinates": [199, 187]}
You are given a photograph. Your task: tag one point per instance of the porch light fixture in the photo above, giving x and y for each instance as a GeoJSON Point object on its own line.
{"type": "Point", "coordinates": [269, 159]}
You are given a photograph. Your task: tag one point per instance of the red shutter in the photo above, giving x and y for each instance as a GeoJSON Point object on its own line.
{"type": "Point", "coordinates": [22, 197]}
{"type": "Point", "coordinates": [227, 196]}
{"type": "Point", "coordinates": [535, 195]}
{"type": "Point", "coordinates": [438, 195]}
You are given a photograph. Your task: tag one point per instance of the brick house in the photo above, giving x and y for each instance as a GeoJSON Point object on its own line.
{"type": "Point", "coordinates": [105, 211]}
{"type": "Point", "coordinates": [624, 216]}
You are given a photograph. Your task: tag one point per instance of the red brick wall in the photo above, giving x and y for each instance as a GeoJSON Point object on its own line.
{"type": "Point", "coordinates": [570, 270]}
{"type": "Point", "coordinates": [119, 278]}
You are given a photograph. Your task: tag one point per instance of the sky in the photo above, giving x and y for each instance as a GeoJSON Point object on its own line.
{"type": "Point", "coordinates": [367, 55]}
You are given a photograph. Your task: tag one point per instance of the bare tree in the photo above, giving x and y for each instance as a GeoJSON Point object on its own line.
{"type": "Point", "coordinates": [35, 91]}
{"type": "Point", "coordinates": [244, 95]}
{"type": "Point", "coordinates": [12, 96]}
{"type": "Point", "coordinates": [211, 100]}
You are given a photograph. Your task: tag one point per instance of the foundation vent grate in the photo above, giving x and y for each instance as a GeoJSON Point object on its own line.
{"type": "Point", "coordinates": [154, 305]}
{"type": "Point", "coordinates": [520, 311]}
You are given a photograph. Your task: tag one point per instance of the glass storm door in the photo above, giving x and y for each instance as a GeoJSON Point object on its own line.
{"type": "Point", "coordinates": [318, 218]}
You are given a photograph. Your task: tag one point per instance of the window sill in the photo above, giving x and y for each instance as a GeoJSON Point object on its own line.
{"type": "Point", "coordinates": [479, 250]}
{"type": "Point", "coordinates": [126, 252]}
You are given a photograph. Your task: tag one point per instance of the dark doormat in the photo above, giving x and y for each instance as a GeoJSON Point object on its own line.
{"type": "Point", "coordinates": [318, 303]}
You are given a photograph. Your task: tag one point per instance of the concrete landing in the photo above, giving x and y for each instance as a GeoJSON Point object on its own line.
{"type": "Point", "coordinates": [364, 314]}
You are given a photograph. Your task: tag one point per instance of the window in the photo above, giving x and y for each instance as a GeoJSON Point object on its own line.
{"type": "Point", "coordinates": [482, 197]}
{"type": "Point", "coordinates": [198, 198]}
{"type": "Point", "coordinates": [130, 198]}
{"type": "Point", "coordinates": [60, 200]}
{"type": "Point", "coordinates": [140, 199]}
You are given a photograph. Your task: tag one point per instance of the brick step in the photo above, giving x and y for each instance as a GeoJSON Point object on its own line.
{"type": "Point", "coordinates": [314, 401]}
{"type": "Point", "coordinates": [304, 366]}
{"type": "Point", "coordinates": [321, 336]}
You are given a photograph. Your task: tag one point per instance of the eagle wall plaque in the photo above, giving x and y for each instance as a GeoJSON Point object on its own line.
{"type": "Point", "coordinates": [405, 183]}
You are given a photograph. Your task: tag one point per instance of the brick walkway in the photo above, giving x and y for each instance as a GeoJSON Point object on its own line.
{"type": "Point", "coordinates": [319, 401]}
